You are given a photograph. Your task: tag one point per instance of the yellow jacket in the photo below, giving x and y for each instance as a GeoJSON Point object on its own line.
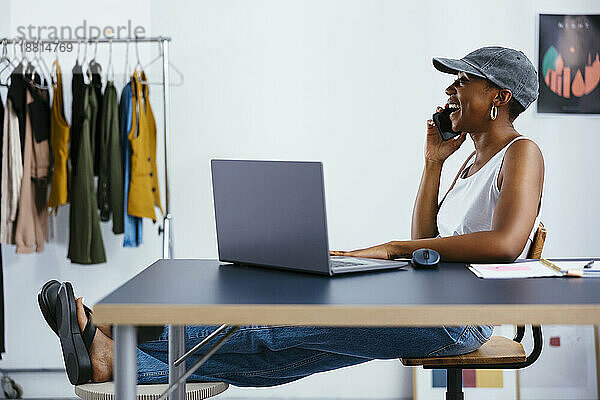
{"type": "Point", "coordinates": [59, 142]}
{"type": "Point", "coordinates": [144, 192]}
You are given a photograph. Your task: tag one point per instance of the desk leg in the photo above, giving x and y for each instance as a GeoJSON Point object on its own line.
{"type": "Point", "coordinates": [597, 341]}
{"type": "Point", "coordinates": [176, 350]}
{"type": "Point", "coordinates": [125, 362]}
{"type": "Point", "coordinates": [181, 381]}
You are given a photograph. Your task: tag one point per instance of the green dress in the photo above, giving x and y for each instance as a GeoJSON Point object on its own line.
{"type": "Point", "coordinates": [85, 238]}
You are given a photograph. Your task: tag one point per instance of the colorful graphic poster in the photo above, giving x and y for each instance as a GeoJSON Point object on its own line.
{"type": "Point", "coordinates": [569, 64]}
{"type": "Point", "coordinates": [491, 378]}
{"type": "Point", "coordinates": [566, 369]}
{"type": "Point", "coordinates": [480, 384]}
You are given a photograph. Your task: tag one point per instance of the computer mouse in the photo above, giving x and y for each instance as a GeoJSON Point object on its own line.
{"type": "Point", "coordinates": [425, 258]}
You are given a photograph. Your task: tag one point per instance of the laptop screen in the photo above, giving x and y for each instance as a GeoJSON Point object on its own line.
{"type": "Point", "coordinates": [271, 213]}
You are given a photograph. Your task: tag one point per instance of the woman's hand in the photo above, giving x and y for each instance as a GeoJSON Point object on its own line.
{"type": "Point", "coordinates": [383, 251]}
{"type": "Point", "coordinates": [436, 150]}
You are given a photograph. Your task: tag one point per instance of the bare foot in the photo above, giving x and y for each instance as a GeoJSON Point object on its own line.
{"type": "Point", "coordinates": [105, 329]}
{"type": "Point", "coordinates": [101, 351]}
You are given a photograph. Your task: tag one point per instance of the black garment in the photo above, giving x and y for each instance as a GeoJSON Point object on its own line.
{"type": "Point", "coordinates": [77, 115]}
{"type": "Point", "coordinates": [39, 115]}
{"type": "Point", "coordinates": [16, 93]}
{"type": "Point", "coordinates": [39, 111]}
{"type": "Point", "coordinates": [96, 70]}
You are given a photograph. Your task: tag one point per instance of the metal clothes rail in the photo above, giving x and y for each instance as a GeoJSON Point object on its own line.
{"type": "Point", "coordinates": [158, 39]}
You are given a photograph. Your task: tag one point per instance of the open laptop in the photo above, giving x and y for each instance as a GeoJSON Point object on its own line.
{"type": "Point", "coordinates": [272, 214]}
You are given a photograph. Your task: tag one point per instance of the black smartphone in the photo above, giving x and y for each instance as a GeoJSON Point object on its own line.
{"type": "Point", "coordinates": [444, 125]}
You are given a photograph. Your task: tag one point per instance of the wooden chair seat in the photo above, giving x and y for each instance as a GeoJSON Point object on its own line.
{"type": "Point", "coordinates": [497, 350]}
{"type": "Point", "coordinates": [106, 390]}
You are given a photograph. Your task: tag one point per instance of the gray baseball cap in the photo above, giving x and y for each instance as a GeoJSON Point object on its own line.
{"type": "Point", "coordinates": [507, 68]}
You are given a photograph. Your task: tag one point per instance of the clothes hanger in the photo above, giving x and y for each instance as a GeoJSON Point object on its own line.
{"type": "Point", "coordinates": [141, 68]}
{"type": "Point", "coordinates": [94, 63]}
{"type": "Point", "coordinates": [138, 72]}
{"type": "Point", "coordinates": [43, 64]}
{"type": "Point", "coordinates": [32, 67]}
{"type": "Point", "coordinates": [28, 70]}
{"type": "Point", "coordinates": [78, 68]}
{"type": "Point", "coordinates": [126, 75]}
{"type": "Point", "coordinates": [24, 60]}
{"type": "Point", "coordinates": [17, 62]}
{"type": "Point", "coordinates": [85, 48]}
{"type": "Point", "coordinates": [4, 56]}
{"type": "Point", "coordinates": [95, 50]}
{"type": "Point", "coordinates": [14, 60]}
{"type": "Point", "coordinates": [109, 67]}
{"type": "Point", "coordinates": [78, 48]}
{"type": "Point", "coordinates": [4, 59]}
{"type": "Point", "coordinates": [177, 71]}
{"type": "Point", "coordinates": [89, 76]}
{"type": "Point", "coordinates": [137, 56]}
{"type": "Point", "coordinates": [12, 63]}
{"type": "Point", "coordinates": [53, 72]}
{"type": "Point", "coordinates": [22, 43]}
{"type": "Point", "coordinates": [35, 66]}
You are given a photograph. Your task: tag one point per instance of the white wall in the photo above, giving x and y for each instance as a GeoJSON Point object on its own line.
{"type": "Point", "coordinates": [349, 83]}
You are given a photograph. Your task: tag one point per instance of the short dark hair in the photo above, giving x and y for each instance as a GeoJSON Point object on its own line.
{"type": "Point", "coordinates": [514, 107]}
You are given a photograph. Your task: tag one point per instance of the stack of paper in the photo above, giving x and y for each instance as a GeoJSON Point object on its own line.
{"type": "Point", "coordinates": [536, 269]}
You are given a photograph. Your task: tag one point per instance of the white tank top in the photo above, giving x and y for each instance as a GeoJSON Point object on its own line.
{"type": "Point", "coordinates": [469, 206]}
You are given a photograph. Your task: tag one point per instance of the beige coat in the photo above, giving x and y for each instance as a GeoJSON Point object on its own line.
{"type": "Point", "coordinates": [12, 173]}
{"type": "Point", "coordinates": [32, 219]}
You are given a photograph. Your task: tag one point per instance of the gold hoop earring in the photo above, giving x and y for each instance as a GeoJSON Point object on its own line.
{"type": "Point", "coordinates": [493, 112]}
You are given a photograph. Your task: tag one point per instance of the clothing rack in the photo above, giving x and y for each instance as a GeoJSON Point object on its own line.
{"type": "Point", "coordinates": [166, 228]}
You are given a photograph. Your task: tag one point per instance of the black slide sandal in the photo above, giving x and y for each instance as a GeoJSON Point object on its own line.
{"type": "Point", "coordinates": [47, 299]}
{"type": "Point", "coordinates": [75, 345]}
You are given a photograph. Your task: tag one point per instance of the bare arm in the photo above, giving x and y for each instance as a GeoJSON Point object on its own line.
{"type": "Point", "coordinates": [522, 178]}
{"type": "Point", "coordinates": [484, 246]}
{"type": "Point", "coordinates": [425, 210]}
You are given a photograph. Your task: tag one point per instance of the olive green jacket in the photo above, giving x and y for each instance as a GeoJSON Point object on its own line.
{"type": "Point", "coordinates": [85, 238]}
{"type": "Point", "coordinates": [110, 171]}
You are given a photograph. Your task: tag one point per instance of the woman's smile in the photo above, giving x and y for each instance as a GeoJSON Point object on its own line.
{"type": "Point", "coordinates": [453, 104]}
{"type": "Point", "coordinates": [454, 115]}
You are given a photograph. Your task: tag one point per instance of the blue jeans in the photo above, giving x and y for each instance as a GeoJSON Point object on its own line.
{"type": "Point", "coordinates": [273, 355]}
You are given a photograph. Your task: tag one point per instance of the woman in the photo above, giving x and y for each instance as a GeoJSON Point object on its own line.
{"type": "Point", "coordinates": [488, 215]}
{"type": "Point", "coordinates": [492, 209]}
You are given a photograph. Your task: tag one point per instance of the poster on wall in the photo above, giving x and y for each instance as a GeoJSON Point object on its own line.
{"type": "Point", "coordinates": [569, 64]}
{"type": "Point", "coordinates": [566, 369]}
